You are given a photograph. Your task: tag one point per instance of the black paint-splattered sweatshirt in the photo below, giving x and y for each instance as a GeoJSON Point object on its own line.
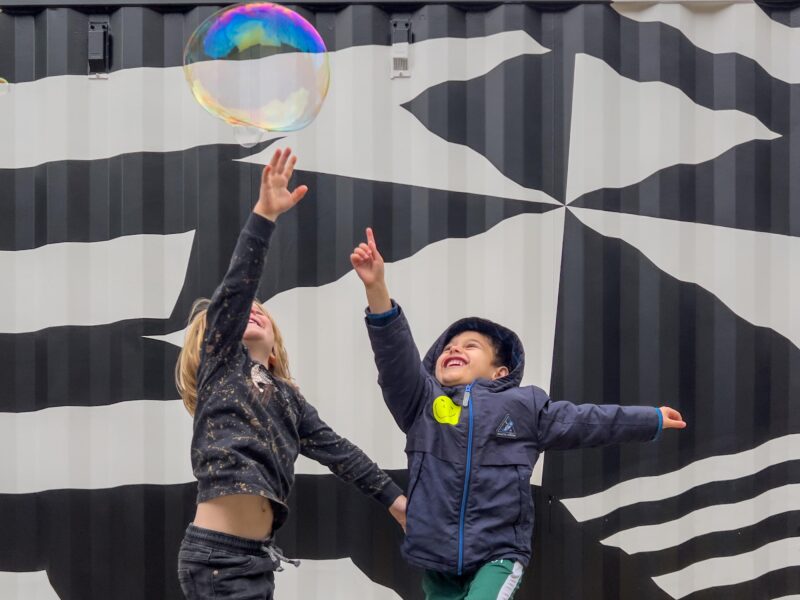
{"type": "Point", "coordinates": [249, 426]}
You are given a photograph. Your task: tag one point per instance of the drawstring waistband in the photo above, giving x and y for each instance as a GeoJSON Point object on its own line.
{"type": "Point", "coordinates": [239, 545]}
{"type": "Point", "coordinates": [276, 555]}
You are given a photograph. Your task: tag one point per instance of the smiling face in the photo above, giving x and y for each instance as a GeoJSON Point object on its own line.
{"type": "Point", "coordinates": [466, 357]}
{"type": "Point", "coordinates": [259, 336]}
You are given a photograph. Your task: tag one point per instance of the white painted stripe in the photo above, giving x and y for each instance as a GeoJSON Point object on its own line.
{"type": "Point", "coordinates": [135, 442]}
{"type": "Point", "coordinates": [361, 132]}
{"type": "Point", "coordinates": [366, 133]}
{"type": "Point", "coordinates": [26, 586]}
{"type": "Point", "coordinates": [538, 470]}
{"type": "Point", "coordinates": [716, 468]}
{"type": "Point", "coordinates": [724, 27]}
{"type": "Point", "coordinates": [175, 338]}
{"type": "Point", "coordinates": [730, 570]}
{"type": "Point", "coordinates": [72, 117]}
{"type": "Point", "coordinates": [793, 597]}
{"type": "Point", "coordinates": [511, 583]}
{"type": "Point", "coordinates": [723, 517]}
{"type": "Point", "coordinates": [130, 277]}
{"type": "Point", "coordinates": [755, 274]}
{"type": "Point", "coordinates": [338, 579]}
{"type": "Point", "coordinates": [623, 131]}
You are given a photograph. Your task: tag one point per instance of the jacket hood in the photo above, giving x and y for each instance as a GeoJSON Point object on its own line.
{"type": "Point", "coordinates": [513, 354]}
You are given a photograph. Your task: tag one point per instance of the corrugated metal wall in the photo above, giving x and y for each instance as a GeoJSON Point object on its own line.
{"type": "Point", "coordinates": [618, 183]}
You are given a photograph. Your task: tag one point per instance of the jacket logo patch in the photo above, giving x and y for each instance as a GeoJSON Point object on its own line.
{"type": "Point", "coordinates": [506, 428]}
{"type": "Point", "coordinates": [445, 411]}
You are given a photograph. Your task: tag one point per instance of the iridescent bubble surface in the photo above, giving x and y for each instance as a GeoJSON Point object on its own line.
{"type": "Point", "coordinates": [258, 65]}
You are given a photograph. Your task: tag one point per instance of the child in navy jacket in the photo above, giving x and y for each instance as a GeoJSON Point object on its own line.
{"type": "Point", "coordinates": [473, 436]}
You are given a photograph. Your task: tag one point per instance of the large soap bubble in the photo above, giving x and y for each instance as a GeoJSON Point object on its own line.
{"type": "Point", "coordinates": [258, 66]}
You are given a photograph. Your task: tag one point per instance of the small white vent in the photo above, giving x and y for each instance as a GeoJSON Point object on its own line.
{"type": "Point", "coordinates": [401, 44]}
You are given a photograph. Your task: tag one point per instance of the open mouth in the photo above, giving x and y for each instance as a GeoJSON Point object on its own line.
{"type": "Point", "coordinates": [454, 362]}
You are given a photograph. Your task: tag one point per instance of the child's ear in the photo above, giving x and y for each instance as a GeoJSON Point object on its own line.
{"type": "Point", "coordinates": [501, 372]}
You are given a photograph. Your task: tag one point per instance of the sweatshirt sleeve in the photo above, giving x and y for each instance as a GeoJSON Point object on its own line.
{"type": "Point", "coordinates": [403, 380]}
{"type": "Point", "coordinates": [229, 309]}
{"type": "Point", "coordinates": [562, 425]}
{"type": "Point", "coordinates": [345, 460]}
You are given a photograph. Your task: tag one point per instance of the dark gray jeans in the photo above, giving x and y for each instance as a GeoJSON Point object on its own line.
{"type": "Point", "coordinates": [215, 565]}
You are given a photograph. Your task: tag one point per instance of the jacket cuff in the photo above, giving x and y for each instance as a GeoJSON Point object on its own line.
{"type": "Point", "coordinates": [660, 425]}
{"type": "Point", "coordinates": [259, 227]}
{"type": "Point", "coordinates": [389, 493]}
{"type": "Point", "coordinates": [384, 318]}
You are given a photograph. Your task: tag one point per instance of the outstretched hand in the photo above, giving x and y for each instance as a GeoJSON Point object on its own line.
{"type": "Point", "coordinates": [274, 197]}
{"type": "Point", "coordinates": [672, 418]}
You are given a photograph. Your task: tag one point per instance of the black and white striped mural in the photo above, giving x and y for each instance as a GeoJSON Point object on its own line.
{"type": "Point", "coordinates": [619, 183]}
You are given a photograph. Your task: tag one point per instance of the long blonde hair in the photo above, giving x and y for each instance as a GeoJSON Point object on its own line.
{"type": "Point", "coordinates": [189, 357]}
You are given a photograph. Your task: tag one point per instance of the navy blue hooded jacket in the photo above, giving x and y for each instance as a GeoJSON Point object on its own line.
{"type": "Point", "coordinates": [471, 449]}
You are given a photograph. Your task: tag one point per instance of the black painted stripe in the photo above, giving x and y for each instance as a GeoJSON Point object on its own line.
{"type": "Point", "coordinates": [85, 366]}
{"type": "Point", "coordinates": [784, 12]}
{"type": "Point", "coordinates": [628, 333]}
{"type": "Point", "coordinates": [123, 542]}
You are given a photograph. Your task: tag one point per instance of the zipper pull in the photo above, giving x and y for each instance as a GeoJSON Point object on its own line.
{"type": "Point", "coordinates": [467, 394]}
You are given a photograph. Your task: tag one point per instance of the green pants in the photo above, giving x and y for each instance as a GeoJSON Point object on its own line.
{"type": "Point", "coordinates": [497, 580]}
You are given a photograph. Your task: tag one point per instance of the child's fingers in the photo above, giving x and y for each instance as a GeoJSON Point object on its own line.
{"type": "Point", "coordinates": [363, 254]}
{"type": "Point", "coordinates": [672, 418]}
{"type": "Point", "coordinates": [371, 241]}
{"type": "Point", "coordinates": [290, 167]}
{"type": "Point", "coordinates": [359, 259]}
{"type": "Point", "coordinates": [365, 248]}
{"type": "Point", "coordinates": [299, 193]}
{"type": "Point", "coordinates": [275, 158]}
{"type": "Point", "coordinates": [373, 246]}
{"type": "Point", "coordinates": [265, 174]}
{"type": "Point", "coordinates": [673, 414]}
{"type": "Point", "coordinates": [281, 166]}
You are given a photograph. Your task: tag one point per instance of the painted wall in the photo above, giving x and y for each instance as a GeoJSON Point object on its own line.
{"type": "Point", "coordinates": [618, 183]}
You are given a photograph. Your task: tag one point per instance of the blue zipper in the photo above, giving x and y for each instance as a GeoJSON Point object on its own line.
{"type": "Point", "coordinates": [465, 402]}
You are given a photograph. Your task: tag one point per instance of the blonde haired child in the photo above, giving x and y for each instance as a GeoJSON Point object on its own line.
{"type": "Point", "coordinates": [251, 422]}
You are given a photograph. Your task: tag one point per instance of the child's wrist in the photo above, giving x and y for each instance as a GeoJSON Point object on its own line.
{"type": "Point", "coordinates": [377, 286]}
{"type": "Point", "coordinates": [263, 211]}
{"type": "Point", "coordinates": [378, 298]}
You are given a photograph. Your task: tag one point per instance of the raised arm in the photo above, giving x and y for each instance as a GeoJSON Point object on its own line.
{"type": "Point", "coordinates": [228, 311]}
{"type": "Point", "coordinates": [404, 382]}
{"type": "Point", "coordinates": [562, 425]}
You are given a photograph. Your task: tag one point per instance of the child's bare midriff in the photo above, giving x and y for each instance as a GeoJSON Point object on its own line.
{"type": "Point", "coordinates": [242, 515]}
